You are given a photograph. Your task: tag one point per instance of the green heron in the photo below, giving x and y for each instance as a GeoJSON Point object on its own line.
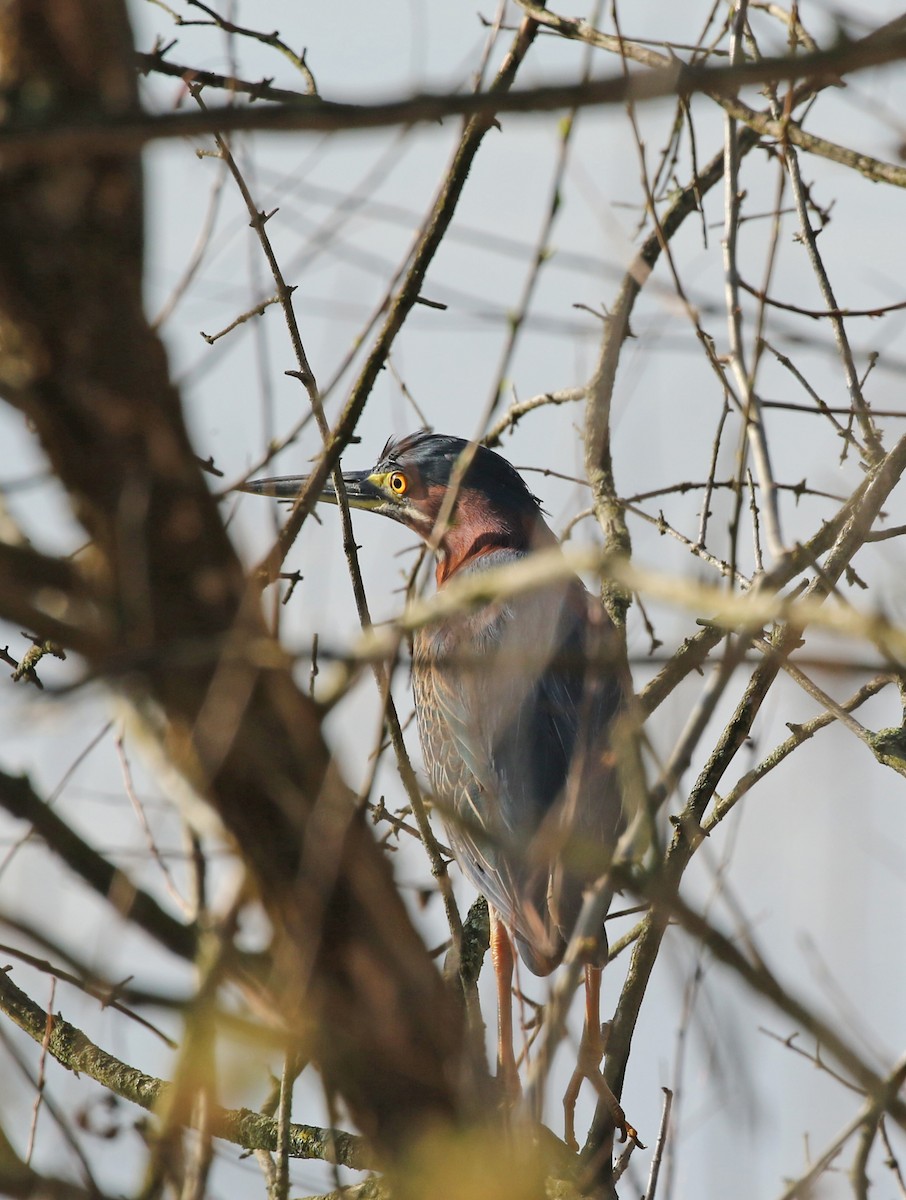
{"type": "Point", "coordinates": [515, 704]}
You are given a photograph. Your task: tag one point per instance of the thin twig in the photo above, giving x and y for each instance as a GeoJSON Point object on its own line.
{"type": "Point", "coordinates": [754, 424]}
{"type": "Point", "coordinates": [869, 432]}
{"type": "Point", "coordinates": [42, 1075]}
{"type": "Point", "coordinates": [800, 733]}
{"type": "Point", "coordinates": [659, 1145]}
{"type": "Point", "coordinates": [138, 808]}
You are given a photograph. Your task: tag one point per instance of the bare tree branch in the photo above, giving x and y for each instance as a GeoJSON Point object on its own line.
{"type": "Point", "coordinates": [254, 1131]}
{"type": "Point", "coordinates": [25, 141]}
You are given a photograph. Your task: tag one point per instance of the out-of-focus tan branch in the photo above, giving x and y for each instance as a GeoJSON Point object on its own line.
{"type": "Point", "coordinates": [729, 611]}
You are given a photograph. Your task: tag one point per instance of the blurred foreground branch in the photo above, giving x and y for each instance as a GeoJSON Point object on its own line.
{"type": "Point", "coordinates": [353, 979]}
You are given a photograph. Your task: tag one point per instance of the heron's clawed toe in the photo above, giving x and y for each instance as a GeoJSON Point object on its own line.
{"type": "Point", "coordinates": [588, 1066]}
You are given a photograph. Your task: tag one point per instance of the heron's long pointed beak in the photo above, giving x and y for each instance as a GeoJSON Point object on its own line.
{"type": "Point", "coordinates": [361, 488]}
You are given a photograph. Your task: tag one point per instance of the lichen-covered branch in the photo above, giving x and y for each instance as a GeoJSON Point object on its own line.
{"type": "Point", "coordinates": [254, 1131]}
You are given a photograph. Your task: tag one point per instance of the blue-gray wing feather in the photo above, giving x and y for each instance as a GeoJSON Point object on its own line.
{"type": "Point", "coordinates": [516, 706]}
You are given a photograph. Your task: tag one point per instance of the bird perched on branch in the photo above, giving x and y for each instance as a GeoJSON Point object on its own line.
{"type": "Point", "coordinates": [516, 703]}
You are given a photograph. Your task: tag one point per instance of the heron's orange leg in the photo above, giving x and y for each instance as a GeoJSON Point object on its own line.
{"type": "Point", "coordinates": [588, 1065]}
{"type": "Point", "coordinates": [502, 958]}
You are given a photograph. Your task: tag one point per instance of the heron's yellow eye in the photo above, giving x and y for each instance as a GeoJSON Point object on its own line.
{"type": "Point", "coordinates": [399, 484]}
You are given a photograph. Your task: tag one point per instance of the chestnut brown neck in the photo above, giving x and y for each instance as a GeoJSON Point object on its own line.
{"type": "Point", "coordinates": [464, 542]}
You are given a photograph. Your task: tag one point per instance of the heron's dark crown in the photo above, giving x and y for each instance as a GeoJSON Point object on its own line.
{"type": "Point", "coordinates": [434, 456]}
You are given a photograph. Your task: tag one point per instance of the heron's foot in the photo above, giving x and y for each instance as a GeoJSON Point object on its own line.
{"type": "Point", "coordinates": [588, 1066]}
